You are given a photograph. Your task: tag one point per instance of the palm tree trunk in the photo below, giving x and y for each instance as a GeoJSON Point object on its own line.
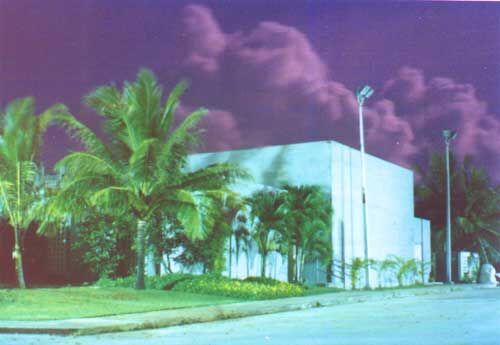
{"type": "Point", "coordinates": [302, 263]}
{"type": "Point", "coordinates": [291, 263]}
{"type": "Point", "coordinates": [17, 254]}
{"type": "Point", "coordinates": [263, 266]}
{"type": "Point", "coordinates": [237, 249]}
{"type": "Point", "coordinates": [18, 258]}
{"type": "Point", "coordinates": [248, 263]}
{"type": "Point", "coordinates": [141, 254]}
{"type": "Point", "coordinates": [166, 263]}
{"type": "Point", "coordinates": [296, 262]}
{"type": "Point", "coordinates": [230, 255]}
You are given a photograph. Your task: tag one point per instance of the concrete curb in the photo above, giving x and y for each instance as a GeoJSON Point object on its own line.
{"type": "Point", "coordinates": [167, 318]}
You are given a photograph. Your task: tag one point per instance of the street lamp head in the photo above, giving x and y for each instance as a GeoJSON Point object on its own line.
{"type": "Point", "coordinates": [364, 93]}
{"type": "Point", "coordinates": [449, 135]}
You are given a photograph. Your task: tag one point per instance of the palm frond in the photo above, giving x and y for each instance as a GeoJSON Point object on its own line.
{"type": "Point", "coordinates": [8, 197]}
{"type": "Point", "coordinates": [181, 135]}
{"type": "Point", "coordinates": [141, 160]}
{"type": "Point", "coordinates": [47, 118]}
{"type": "Point", "coordinates": [85, 163]}
{"type": "Point", "coordinates": [194, 212]}
{"type": "Point", "coordinates": [114, 199]}
{"type": "Point", "coordinates": [171, 106]}
{"type": "Point", "coordinates": [213, 176]}
{"type": "Point", "coordinates": [83, 134]}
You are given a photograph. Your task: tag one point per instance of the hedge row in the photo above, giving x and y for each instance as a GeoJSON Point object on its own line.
{"type": "Point", "coordinates": [252, 288]}
{"type": "Point", "coordinates": [222, 286]}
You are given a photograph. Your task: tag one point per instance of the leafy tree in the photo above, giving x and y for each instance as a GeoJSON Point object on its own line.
{"type": "Point", "coordinates": [105, 245]}
{"type": "Point", "coordinates": [266, 220]}
{"type": "Point", "coordinates": [21, 190]}
{"type": "Point", "coordinates": [140, 169]}
{"type": "Point", "coordinates": [210, 251]}
{"type": "Point", "coordinates": [475, 206]}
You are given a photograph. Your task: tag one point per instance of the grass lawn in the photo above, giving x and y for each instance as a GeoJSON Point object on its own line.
{"type": "Point", "coordinates": [73, 302]}
{"type": "Point", "coordinates": [319, 290]}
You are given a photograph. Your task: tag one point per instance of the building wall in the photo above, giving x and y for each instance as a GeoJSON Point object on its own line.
{"type": "Point", "coordinates": [295, 164]}
{"type": "Point", "coordinates": [392, 227]}
{"type": "Point", "coordinates": [389, 198]}
{"type": "Point", "coordinates": [272, 166]}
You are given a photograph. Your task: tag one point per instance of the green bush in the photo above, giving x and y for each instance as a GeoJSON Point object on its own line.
{"type": "Point", "coordinates": [356, 265]}
{"type": "Point", "coordinates": [222, 286]}
{"type": "Point", "coordinates": [262, 280]}
{"type": "Point", "coordinates": [118, 282]}
{"type": "Point", "coordinates": [252, 288]}
{"type": "Point", "coordinates": [166, 282]}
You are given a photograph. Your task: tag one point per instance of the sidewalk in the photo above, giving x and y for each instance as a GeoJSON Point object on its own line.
{"type": "Point", "coordinates": [166, 318]}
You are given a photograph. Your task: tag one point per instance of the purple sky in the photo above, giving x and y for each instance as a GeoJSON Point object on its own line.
{"type": "Point", "coordinates": [274, 72]}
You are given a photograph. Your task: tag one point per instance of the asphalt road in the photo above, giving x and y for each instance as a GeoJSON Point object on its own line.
{"type": "Point", "coordinates": [470, 318]}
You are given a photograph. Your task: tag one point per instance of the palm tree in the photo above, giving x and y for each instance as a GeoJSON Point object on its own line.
{"type": "Point", "coordinates": [475, 207]}
{"type": "Point", "coordinates": [229, 210]}
{"type": "Point", "coordinates": [266, 219]}
{"type": "Point", "coordinates": [140, 169]}
{"type": "Point", "coordinates": [21, 138]}
{"type": "Point", "coordinates": [314, 244]}
{"type": "Point", "coordinates": [242, 239]}
{"type": "Point", "coordinates": [478, 224]}
{"type": "Point", "coordinates": [307, 214]}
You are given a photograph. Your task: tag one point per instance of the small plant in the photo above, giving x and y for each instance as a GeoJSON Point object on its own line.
{"type": "Point", "coordinates": [468, 278]}
{"type": "Point", "coordinates": [408, 270]}
{"type": "Point", "coordinates": [404, 269]}
{"type": "Point", "coordinates": [387, 265]}
{"type": "Point", "coordinates": [356, 265]}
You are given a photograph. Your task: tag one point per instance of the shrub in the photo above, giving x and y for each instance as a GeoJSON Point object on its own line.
{"type": "Point", "coordinates": [252, 288]}
{"type": "Point", "coordinates": [405, 270]}
{"type": "Point", "coordinates": [356, 266]}
{"type": "Point", "coordinates": [104, 246]}
{"type": "Point", "coordinates": [222, 286]}
{"type": "Point", "coordinates": [166, 282]}
{"type": "Point", "coordinates": [262, 280]}
{"type": "Point", "coordinates": [106, 282]}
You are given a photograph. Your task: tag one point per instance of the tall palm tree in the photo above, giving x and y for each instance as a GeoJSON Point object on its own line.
{"type": "Point", "coordinates": [475, 206]}
{"type": "Point", "coordinates": [478, 224]}
{"type": "Point", "coordinates": [307, 213]}
{"type": "Point", "coordinates": [266, 220]}
{"type": "Point", "coordinates": [21, 138]}
{"type": "Point", "coordinates": [242, 239]}
{"type": "Point", "coordinates": [140, 169]}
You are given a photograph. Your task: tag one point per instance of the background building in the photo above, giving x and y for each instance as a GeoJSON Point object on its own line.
{"type": "Point", "coordinates": [392, 227]}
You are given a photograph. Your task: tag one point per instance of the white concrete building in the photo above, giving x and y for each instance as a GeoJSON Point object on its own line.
{"type": "Point", "coordinates": [392, 227]}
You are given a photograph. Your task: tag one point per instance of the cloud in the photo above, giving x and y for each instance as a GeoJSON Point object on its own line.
{"type": "Point", "coordinates": [278, 56]}
{"type": "Point", "coordinates": [203, 38]}
{"type": "Point", "coordinates": [219, 129]}
{"type": "Point", "coordinates": [222, 132]}
{"type": "Point", "coordinates": [277, 90]}
{"type": "Point", "coordinates": [441, 103]}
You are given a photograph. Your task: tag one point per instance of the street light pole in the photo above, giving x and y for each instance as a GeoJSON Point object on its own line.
{"type": "Point", "coordinates": [361, 96]}
{"type": "Point", "coordinates": [448, 137]}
